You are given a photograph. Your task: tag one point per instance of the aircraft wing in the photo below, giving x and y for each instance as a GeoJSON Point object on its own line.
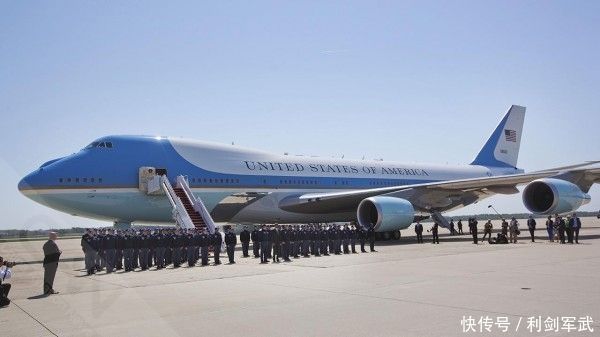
{"type": "Point", "coordinates": [439, 196]}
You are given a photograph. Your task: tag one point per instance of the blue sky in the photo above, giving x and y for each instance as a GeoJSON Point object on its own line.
{"type": "Point", "coordinates": [409, 81]}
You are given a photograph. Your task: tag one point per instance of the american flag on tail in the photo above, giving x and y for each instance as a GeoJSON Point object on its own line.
{"type": "Point", "coordinates": [511, 135]}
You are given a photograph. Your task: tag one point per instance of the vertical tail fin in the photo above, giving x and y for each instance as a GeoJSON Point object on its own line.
{"type": "Point", "coordinates": [502, 148]}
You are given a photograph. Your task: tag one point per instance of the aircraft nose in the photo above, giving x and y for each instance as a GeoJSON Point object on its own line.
{"type": "Point", "coordinates": [25, 183]}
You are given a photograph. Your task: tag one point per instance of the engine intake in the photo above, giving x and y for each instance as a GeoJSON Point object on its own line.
{"type": "Point", "coordinates": [550, 195]}
{"type": "Point", "coordinates": [385, 213]}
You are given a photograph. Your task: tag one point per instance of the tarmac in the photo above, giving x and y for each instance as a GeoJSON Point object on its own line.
{"type": "Point", "coordinates": [404, 289]}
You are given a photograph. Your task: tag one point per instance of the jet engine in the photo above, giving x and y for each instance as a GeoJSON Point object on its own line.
{"type": "Point", "coordinates": [550, 195]}
{"type": "Point", "coordinates": [385, 213]}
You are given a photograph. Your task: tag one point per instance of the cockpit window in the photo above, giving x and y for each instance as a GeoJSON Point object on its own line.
{"type": "Point", "coordinates": [100, 144]}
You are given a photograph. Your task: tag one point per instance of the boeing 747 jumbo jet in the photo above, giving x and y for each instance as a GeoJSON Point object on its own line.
{"type": "Point", "coordinates": [125, 179]}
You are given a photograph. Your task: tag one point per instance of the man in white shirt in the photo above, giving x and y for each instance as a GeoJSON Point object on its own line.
{"type": "Point", "coordinates": [5, 274]}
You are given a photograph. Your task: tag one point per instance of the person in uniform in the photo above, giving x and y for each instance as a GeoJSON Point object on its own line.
{"type": "Point", "coordinates": [305, 241]}
{"type": "Point", "coordinates": [285, 243]}
{"type": "Point", "coordinates": [473, 229]}
{"type": "Point", "coordinates": [569, 229]}
{"type": "Point", "coordinates": [434, 233]}
{"type": "Point", "coordinates": [459, 225]}
{"type": "Point", "coordinates": [487, 230]}
{"type": "Point", "coordinates": [119, 252]}
{"type": "Point", "coordinates": [128, 251]}
{"type": "Point", "coordinates": [255, 237]}
{"type": "Point", "coordinates": [346, 239]}
{"type": "Point", "coordinates": [136, 249]}
{"type": "Point", "coordinates": [245, 240]}
{"type": "Point", "coordinates": [51, 257]}
{"type": "Point", "coordinates": [276, 240]}
{"type": "Point", "coordinates": [265, 237]}
{"type": "Point", "coordinates": [151, 248]}
{"type": "Point", "coordinates": [324, 240]}
{"type": "Point", "coordinates": [576, 225]}
{"type": "Point", "coordinates": [371, 236]}
{"type": "Point", "coordinates": [550, 228]}
{"type": "Point", "coordinates": [531, 226]}
{"type": "Point", "coordinates": [362, 238]}
{"type": "Point", "coordinates": [217, 242]}
{"type": "Point", "coordinates": [160, 249]}
{"type": "Point", "coordinates": [189, 238]}
{"type": "Point", "coordinates": [176, 244]}
{"type": "Point", "coordinates": [504, 227]}
{"type": "Point", "coordinates": [86, 246]}
{"type": "Point", "coordinates": [513, 230]}
{"type": "Point", "coordinates": [110, 247]}
{"type": "Point", "coordinates": [419, 232]}
{"type": "Point", "coordinates": [452, 231]}
{"type": "Point", "coordinates": [316, 241]}
{"type": "Point", "coordinates": [353, 236]}
{"type": "Point", "coordinates": [230, 242]}
{"type": "Point", "coordinates": [204, 243]}
{"type": "Point", "coordinates": [560, 224]}
{"type": "Point", "coordinates": [292, 237]}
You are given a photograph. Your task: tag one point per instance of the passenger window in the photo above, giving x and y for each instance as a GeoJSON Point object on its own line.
{"type": "Point", "coordinates": [99, 180]}
{"type": "Point", "coordinates": [109, 145]}
{"type": "Point", "coordinates": [68, 180]}
{"type": "Point", "coordinates": [60, 180]}
{"type": "Point", "coordinates": [85, 180]}
{"type": "Point", "coordinates": [76, 180]}
{"type": "Point", "coordinates": [101, 145]}
{"type": "Point", "coordinates": [92, 179]}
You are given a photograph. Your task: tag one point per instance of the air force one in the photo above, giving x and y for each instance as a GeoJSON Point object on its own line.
{"type": "Point", "coordinates": [126, 179]}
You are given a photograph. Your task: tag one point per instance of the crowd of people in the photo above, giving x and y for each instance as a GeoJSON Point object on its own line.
{"type": "Point", "coordinates": [558, 229]}
{"type": "Point", "coordinates": [129, 249]}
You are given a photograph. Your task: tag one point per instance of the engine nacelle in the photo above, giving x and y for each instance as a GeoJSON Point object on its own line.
{"type": "Point", "coordinates": [550, 195]}
{"type": "Point", "coordinates": [386, 213]}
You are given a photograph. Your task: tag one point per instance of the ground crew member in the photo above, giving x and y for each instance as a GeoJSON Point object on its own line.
{"type": "Point", "coordinates": [276, 240]}
{"type": "Point", "coordinates": [419, 232]}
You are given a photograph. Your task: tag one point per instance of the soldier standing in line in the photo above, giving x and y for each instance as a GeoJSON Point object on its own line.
{"type": "Point", "coordinates": [265, 235]}
{"type": "Point", "coordinates": [204, 243]}
{"type": "Point", "coordinates": [217, 242]}
{"type": "Point", "coordinates": [331, 238]}
{"type": "Point", "coordinates": [230, 242]}
{"type": "Point", "coordinates": [459, 225]}
{"type": "Point", "coordinates": [151, 248]}
{"type": "Point", "coordinates": [144, 248]}
{"type": "Point", "coordinates": [128, 251]}
{"type": "Point", "coordinates": [346, 239]}
{"type": "Point", "coordinates": [110, 245]}
{"type": "Point", "coordinates": [353, 235]}
{"type": "Point", "coordinates": [86, 246]}
{"type": "Point", "coordinates": [324, 240]}
{"type": "Point", "coordinates": [276, 240]}
{"type": "Point", "coordinates": [255, 237]}
{"type": "Point", "coordinates": [285, 243]}
{"type": "Point", "coordinates": [119, 252]}
{"type": "Point", "coordinates": [190, 249]}
{"type": "Point", "coordinates": [136, 248]}
{"type": "Point", "coordinates": [419, 232]}
{"type": "Point", "coordinates": [371, 236]}
{"type": "Point", "coordinates": [316, 240]}
{"type": "Point", "coordinates": [176, 249]}
{"type": "Point", "coordinates": [245, 240]}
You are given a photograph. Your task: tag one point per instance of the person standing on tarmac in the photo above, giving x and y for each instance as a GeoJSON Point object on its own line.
{"type": "Point", "coordinates": [434, 233]}
{"type": "Point", "coordinates": [276, 239]}
{"type": "Point", "coordinates": [514, 230]}
{"type": "Point", "coordinates": [265, 236]}
{"type": "Point", "coordinates": [255, 237]}
{"type": "Point", "coordinates": [550, 228]}
{"type": "Point", "coordinates": [371, 235]}
{"type": "Point", "coordinates": [217, 241]}
{"type": "Point", "coordinates": [531, 226]}
{"type": "Point", "coordinates": [230, 242]}
{"type": "Point", "coordinates": [204, 243]}
{"type": "Point", "coordinates": [459, 225]}
{"type": "Point", "coordinates": [576, 225]}
{"type": "Point", "coordinates": [473, 229]}
{"type": "Point", "coordinates": [245, 240]}
{"type": "Point", "coordinates": [419, 232]}
{"type": "Point", "coordinates": [487, 230]}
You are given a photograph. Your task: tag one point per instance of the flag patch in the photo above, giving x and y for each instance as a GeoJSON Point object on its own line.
{"type": "Point", "coordinates": [511, 135]}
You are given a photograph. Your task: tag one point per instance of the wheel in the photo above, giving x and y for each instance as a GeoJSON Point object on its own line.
{"type": "Point", "coordinates": [397, 235]}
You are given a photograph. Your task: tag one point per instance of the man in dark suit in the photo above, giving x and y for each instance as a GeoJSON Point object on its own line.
{"type": "Point", "coordinates": [217, 241]}
{"type": "Point", "coordinates": [419, 232]}
{"type": "Point", "coordinates": [371, 236]}
{"type": "Point", "coordinates": [531, 226]}
{"type": "Point", "coordinates": [576, 226]}
{"type": "Point", "coordinates": [51, 257]}
{"type": "Point", "coordinates": [255, 237]}
{"type": "Point", "coordinates": [245, 239]}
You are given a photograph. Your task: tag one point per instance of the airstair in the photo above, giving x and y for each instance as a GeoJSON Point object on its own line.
{"type": "Point", "coordinates": [188, 210]}
{"type": "Point", "coordinates": [440, 220]}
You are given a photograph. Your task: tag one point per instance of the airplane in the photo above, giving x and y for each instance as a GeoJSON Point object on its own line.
{"type": "Point", "coordinates": [153, 179]}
